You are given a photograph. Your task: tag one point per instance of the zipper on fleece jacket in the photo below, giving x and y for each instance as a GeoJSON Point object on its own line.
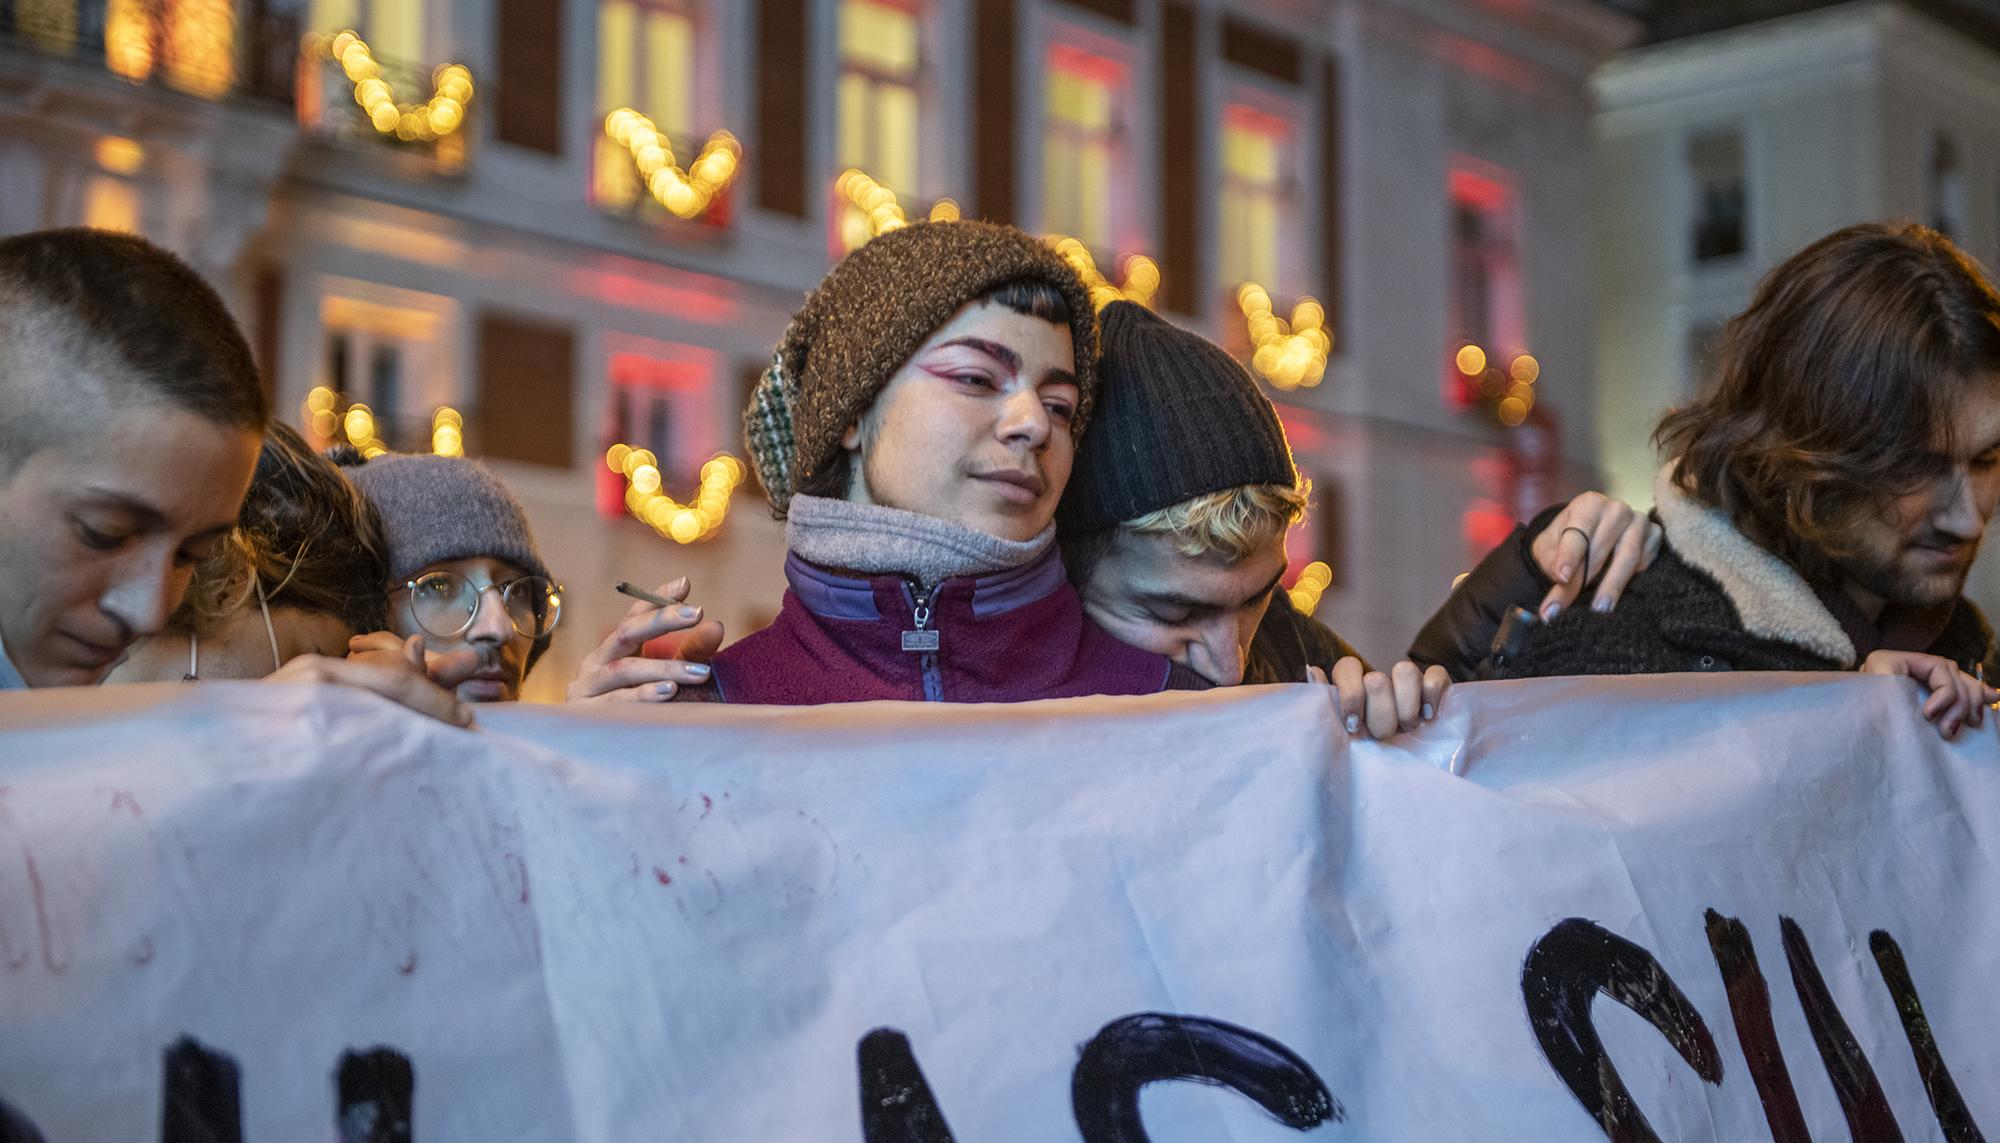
{"type": "Point", "coordinates": [924, 642]}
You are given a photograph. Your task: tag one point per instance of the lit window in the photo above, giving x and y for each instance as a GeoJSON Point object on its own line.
{"type": "Point", "coordinates": [645, 61]}
{"type": "Point", "coordinates": [1721, 196]}
{"type": "Point", "coordinates": [1486, 313]}
{"type": "Point", "coordinates": [111, 204]}
{"type": "Point", "coordinates": [1082, 145]}
{"type": "Point", "coordinates": [394, 29]}
{"type": "Point", "coordinates": [194, 41]}
{"type": "Point", "coordinates": [1256, 196]}
{"type": "Point", "coordinates": [663, 400]}
{"type": "Point", "coordinates": [880, 65]}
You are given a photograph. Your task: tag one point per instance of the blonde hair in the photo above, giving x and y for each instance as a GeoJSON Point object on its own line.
{"type": "Point", "coordinates": [1233, 523]}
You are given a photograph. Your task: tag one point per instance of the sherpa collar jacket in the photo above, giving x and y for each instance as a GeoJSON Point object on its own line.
{"type": "Point", "coordinates": [1715, 601]}
{"type": "Point", "coordinates": [1010, 636]}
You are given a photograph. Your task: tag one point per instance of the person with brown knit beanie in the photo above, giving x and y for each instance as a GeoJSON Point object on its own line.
{"type": "Point", "coordinates": [916, 430]}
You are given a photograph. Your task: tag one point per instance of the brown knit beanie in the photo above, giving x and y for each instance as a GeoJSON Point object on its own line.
{"type": "Point", "coordinates": [869, 314]}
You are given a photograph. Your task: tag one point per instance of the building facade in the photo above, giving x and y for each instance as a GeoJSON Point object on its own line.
{"type": "Point", "coordinates": [580, 227]}
{"type": "Point", "coordinates": [1728, 145]}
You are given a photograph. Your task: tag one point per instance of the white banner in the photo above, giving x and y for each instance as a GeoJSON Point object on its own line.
{"type": "Point", "coordinates": [248, 911]}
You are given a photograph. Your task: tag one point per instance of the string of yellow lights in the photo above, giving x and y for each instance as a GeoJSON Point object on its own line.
{"type": "Point", "coordinates": [1312, 583]}
{"type": "Point", "coordinates": [685, 192]}
{"type": "Point", "coordinates": [1289, 354]}
{"type": "Point", "coordinates": [1510, 393]}
{"type": "Point", "coordinates": [1141, 274]}
{"type": "Point", "coordinates": [682, 523]}
{"type": "Point", "coordinates": [428, 121]}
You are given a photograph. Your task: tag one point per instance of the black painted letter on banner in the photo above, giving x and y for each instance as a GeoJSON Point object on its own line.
{"type": "Point", "coordinates": [1750, 1007]}
{"type": "Point", "coordinates": [201, 1100]}
{"type": "Point", "coordinates": [375, 1091]}
{"type": "Point", "coordinates": [896, 1103]}
{"type": "Point", "coordinates": [1861, 1097]}
{"type": "Point", "coordinates": [1137, 1050]}
{"type": "Point", "coordinates": [1563, 974]}
{"type": "Point", "coordinates": [1952, 1114]}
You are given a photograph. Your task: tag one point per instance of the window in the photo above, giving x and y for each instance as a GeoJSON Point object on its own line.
{"type": "Point", "coordinates": [528, 105]}
{"type": "Point", "coordinates": [386, 353]}
{"type": "Point", "coordinates": [193, 42]}
{"type": "Point", "coordinates": [880, 66]}
{"type": "Point", "coordinates": [394, 29]}
{"type": "Point", "coordinates": [661, 398]}
{"type": "Point", "coordinates": [527, 375]}
{"type": "Point", "coordinates": [1486, 317]}
{"type": "Point", "coordinates": [1948, 191]}
{"type": "Point", "coordinates": [1083, 163]}
{"type": "Point", "coordinates": [1721, 196]}
{"type": "Point", "coordinates": [1256, 196]}
{"type": "Point", "coordinates": [645, 61]}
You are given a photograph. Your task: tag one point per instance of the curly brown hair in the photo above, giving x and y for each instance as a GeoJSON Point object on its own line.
{"type": "Point", "coordinates": [313, 541]}
{"type": "Point", "coordinates": [1839, 387]}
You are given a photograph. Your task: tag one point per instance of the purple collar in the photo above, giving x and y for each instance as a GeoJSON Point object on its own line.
{"type": "Point", "coordinates": [831, 595]}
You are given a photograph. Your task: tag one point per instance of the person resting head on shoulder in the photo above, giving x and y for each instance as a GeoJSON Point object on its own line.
{"type": "Point", "coordinates": [301, 575]}
{"type": "Point", "coordinates": [1174, 526]}
{"type": "Point", "coordinates": [135, 425]}
{"type": "Point", "coordinates": [916, 430]}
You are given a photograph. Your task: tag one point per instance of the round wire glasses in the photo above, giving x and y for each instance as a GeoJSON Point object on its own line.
{"type": "Point", "coordinates": [445, 603]}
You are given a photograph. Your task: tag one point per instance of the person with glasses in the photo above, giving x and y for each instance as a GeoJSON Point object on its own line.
{"type": "Point", "coordinates": [465, 575]}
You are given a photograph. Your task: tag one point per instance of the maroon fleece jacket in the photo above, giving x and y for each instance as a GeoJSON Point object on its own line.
{"type": "Point", "coordinates": [1011, 636]}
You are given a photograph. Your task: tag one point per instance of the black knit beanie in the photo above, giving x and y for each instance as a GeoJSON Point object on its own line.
{"type": "Point", "coordinates": [1177, 417]}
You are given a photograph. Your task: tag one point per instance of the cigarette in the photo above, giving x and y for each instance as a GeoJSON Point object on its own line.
{"type": "Point", "coordinates": [642, 593]}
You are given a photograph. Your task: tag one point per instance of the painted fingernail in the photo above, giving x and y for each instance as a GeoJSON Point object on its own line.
{"type": "Point", "coordinates": [690, 613]}
{"type": "Point", "coordinates": [1601, 604]}
{"type": "Point", "coordinates": [698, 670]}
{"type": "Point", "coordinates": [1550, 611]}
{"type": "Point", "coordinates": [1353, 723]}
{"type": "Point", "coordinates": [665, 690]}
{"type": "Point", "coordinates": [1430, 712]}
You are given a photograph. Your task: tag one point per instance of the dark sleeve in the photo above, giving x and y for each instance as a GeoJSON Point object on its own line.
{"type": "Point", "coordinates": [1460, 635]}
{"type": "Point", "coordinates": [1287, 643]}
{"type": "Point", "coordinates": [1181, 678]}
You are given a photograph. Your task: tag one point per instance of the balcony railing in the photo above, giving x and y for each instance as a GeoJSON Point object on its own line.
{"type": "Point", "coordinates": [364, 100]}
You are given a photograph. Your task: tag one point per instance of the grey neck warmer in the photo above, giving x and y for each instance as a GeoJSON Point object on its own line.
{"type": "Point", "coordinates": [875, 540]}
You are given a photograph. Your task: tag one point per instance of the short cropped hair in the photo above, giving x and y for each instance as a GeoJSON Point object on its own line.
{"type": "Point", "coordinates": [308, 536]}
{"type": "Point", "coordinates": [1031, 297]}
{"type": "Point", "coordinates": [1839, 385]}
{"type": "Point", "coordinates": [1234, 523]}
{"type": "Point", "coordinates": [117, 318]}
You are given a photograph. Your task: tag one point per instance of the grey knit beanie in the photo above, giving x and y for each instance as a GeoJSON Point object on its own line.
{"type": "Point", "coordinates": [1177, 417]}
{"type": "Point", "coordinates": [869, 314]}
{"type": "Point", "coordinates": [437, 508]}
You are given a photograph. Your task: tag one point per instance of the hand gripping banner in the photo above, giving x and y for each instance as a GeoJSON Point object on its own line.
{"type": "Point", "coordinates": [1695, 908]}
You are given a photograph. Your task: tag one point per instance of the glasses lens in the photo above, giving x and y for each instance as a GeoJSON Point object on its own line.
{"type": "Point", "coordinates": [535, 605]}
{"type": "Point", "coordinates": [443, 603]}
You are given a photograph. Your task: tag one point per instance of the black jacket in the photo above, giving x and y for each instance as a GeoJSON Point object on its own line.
{"type": "Point", "coordinates": [1287, 643]}
{"type": "Point", "coordinates": [1459, 636]}
{"type": "Point", "coordinates": [1715, 601]}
